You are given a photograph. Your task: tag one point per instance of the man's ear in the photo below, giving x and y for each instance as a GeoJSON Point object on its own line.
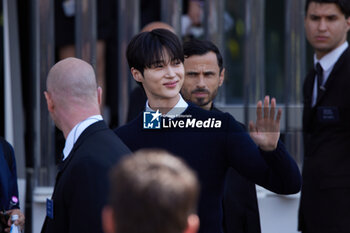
{"type": "Point", "coordinates": [137, 75]}
{"type": "Point", "coordinates": [348, 23]}
{"type": "Point", "coordinates": [49, 102]}
{"type": "Point", "coordinates": [108, 223]}
{"type": "Point", "coordinates": [99, 95]}
{"type": "Point", "coordinates": [192, 224]}
{"type": "Point", "coordinates": [222, 77]}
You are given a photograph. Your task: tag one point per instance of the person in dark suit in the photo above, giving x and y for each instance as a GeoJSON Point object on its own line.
{"type": "Point", "coordinates": [204, 74]}
{"type": "Point", "coordinates": [91, 149]}
{"type": "Point", "coordinates": [152, 191]}
{"type": "Point", "coordinates": [208, 141]}
{"type": "Point", "coordinates": [9, 204]}
{"type": "Point", "coordinates": [325, 203]}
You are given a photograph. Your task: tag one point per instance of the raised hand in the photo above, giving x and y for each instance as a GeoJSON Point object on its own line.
{"type": "Point", "coordinates": [266, 131]}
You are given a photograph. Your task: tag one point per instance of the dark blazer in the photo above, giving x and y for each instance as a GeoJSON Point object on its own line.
{"type": "Point", "coordinates": [240, 204]}
{"type": "Point", "coordinates": [82, 181]}
{"type": "Point", "coordinates": [8, 176]}
{"type": "Point", "coordinates": [325, 196]}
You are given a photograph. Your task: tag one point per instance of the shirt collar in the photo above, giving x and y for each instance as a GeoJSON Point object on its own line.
{"type": "Point", "coordinates": [177, 110]}
{"type": "Point", "coordinates": [328, 61]}
{"type": "Point", "coordinates": [77, 131]}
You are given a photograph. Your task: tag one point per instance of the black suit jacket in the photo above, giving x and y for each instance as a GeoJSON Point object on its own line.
{"type": "Point", "coordinates": [82, 181]}
{"type": "Point", "coordinates": [240, 204]}
{"type": "Point", "coordinates": [325, 197]}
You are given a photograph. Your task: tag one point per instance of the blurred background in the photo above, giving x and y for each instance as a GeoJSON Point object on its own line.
{"type": "Point", "coordinates": [264, 48]}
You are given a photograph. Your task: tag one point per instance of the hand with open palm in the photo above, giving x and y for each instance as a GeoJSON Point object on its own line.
{"type": "Point", "coordinates": [266, 131]}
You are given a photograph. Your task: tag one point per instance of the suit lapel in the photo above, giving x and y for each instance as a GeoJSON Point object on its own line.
{"type": "Point", "coordinates": [309, 87]}
{"type": "Point", "coordinates": [308, 94]}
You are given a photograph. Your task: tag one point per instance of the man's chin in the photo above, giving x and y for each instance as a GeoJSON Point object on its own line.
{"type": "Point", "coordinates": [201, 102]}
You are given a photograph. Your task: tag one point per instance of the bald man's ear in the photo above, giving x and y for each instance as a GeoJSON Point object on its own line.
{"type": "Point", "coordinates": [49, 102]}
{"type": "Point", "coordinates": [222, 77]}
{"type": "Point", "coordinates": [137, 75]}
{"type": "Point", "coordinates": [99, 95]}
{"type": "Point", "coordinates": [192, 224]}
{"type": "Point", "coordinates": [108, 223]}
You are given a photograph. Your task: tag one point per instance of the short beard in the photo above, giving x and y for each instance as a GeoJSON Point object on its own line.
{"type": "Point", "coordinates": [201, 102]}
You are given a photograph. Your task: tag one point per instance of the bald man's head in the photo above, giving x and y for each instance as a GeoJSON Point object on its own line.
{"type": "Point", "coordinates": [157, 25]}
{"type": "Point", "coordinates": [72, 81]}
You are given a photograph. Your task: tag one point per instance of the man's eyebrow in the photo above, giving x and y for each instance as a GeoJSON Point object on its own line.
{"type": "Point", "coordinates": [315, 16]}
{"type": "Point", "coordinates": [326, 16]}
{"type": "Point", "coordinates": [192, 72]}
{"type": "Point", "coordinates": [333, 16]}
{"type": "Point", "coordinates": [209, 72]}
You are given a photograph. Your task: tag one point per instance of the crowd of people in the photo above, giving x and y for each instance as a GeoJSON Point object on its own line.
{"type": "Point", "coordinates": [188, 177]}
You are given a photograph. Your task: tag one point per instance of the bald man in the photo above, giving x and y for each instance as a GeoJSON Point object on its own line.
{"type": "Point", "coordinates": [91, 149]}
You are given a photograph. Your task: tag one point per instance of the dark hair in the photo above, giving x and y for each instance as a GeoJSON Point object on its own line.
{"type": "Point", "coordinates": [201, 47]}
{"type": "Point", "coordinates": [147, 48]}
{"type": "Point", "coordinates": [152, 191]}
{"type": "Point", "coordinates": [344, 5]}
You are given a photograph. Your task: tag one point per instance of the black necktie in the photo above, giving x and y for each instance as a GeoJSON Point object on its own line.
{"type": "Point", "coordinates": [319, 76]}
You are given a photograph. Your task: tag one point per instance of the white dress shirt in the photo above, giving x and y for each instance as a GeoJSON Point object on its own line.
{"type": "Point", "coordinates": [327, 63]}
{"type": "Point", "coordinates": [177, 110]}
{"type": "Point", "coordinates": [77, 131]}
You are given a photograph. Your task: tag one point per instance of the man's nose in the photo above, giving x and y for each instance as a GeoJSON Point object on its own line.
{"type": "Point", "coordinates": [322, 26]}
{"type": "Point", "coordinates": [170, 72]}
{"type": "Point", "coordinates": [201, 82]}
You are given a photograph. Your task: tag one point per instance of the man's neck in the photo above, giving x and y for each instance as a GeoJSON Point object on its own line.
{"type": "Point", "coordinates": [164, 105]}
{"type": "Point", "coordinates": [70, 120]}
{"type": "Point", "coordinates": [208, 106]}
{"type": "Point", "coordinates": [321, 54]}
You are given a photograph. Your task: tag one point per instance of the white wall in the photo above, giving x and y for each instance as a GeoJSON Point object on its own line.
{"type": "Point", "coordinates": [278, 213]}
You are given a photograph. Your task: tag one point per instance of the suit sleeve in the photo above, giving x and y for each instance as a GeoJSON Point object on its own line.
{"type": "Point", "coordinates": [11, 183]}
{"type": "Point", "coordinates": [88, 192]}
{"type": "Point", "coordinates": [275, 170]}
